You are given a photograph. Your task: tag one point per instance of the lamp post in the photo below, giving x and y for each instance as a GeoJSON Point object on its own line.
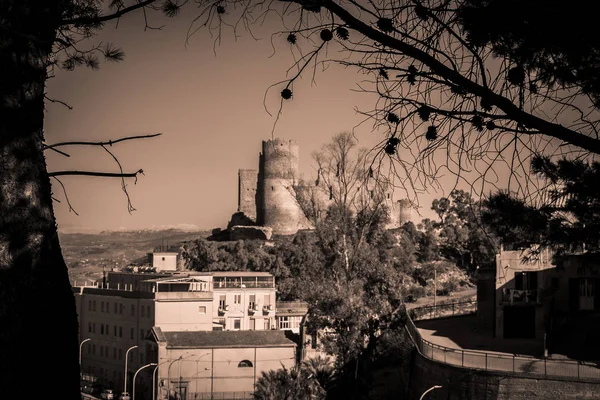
{"type": "Point", "coordinates": [134, 375]}
{"type": "Point", "coordinates": [429, 390]}
{"type": "Point", "coordinates": [80, 346]}
{"type": "Point", "coordinates": [126, 359]}
{"type": "Point", "coordinates": [154, 379]}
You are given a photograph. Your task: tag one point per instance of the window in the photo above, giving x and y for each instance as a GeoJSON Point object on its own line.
{"type": "Point", "coordinates": [143, 311]}
{"type": "Point", "coordinates": [94, 305]}
{"type": "Point", "coordinates": [102, 329]}
{"type": "Point", "coordinates": [120, 331]}
{"type": "Point", "coordinates": [267, 324]}
{"type": "Point", "coordinates": [114, 353]}
{"type": "Point", "coordinates": [94, 349]}
{"type": "Point", "coordinates": [115, 331]}
{"type": "Point", "coordinates": [141, 333]}
{"type": "Point", "coordinates": [267, 300]}
{"type": "Point", "coordinates": [284, 323]}
{"type": "Point", "coordinates": [102, 306]}
{"type": "Point", "coordinates": [251, 301]}
{"type": "Point", "coordinates": [108, 307]}
{"type": "Point", "coordinates": [89, 305]}
{"type": "Point", "coordinates": [163, 259]}
{"type": "Point", "coordinates": [121, 307]}
{"type": "Point", "coordinates": [94, 327]}
{"type": "Point", "coordinates": [132, 310]}
{"type": "Point", "coordinates": [237, 299]}
{"type": "Point", "coordinates": [106, 329]}
{"type": "Point", "coordinates": [245, 364]}
{"type": "Point", "coordinates": [132, 334]}
{"type": "Point", "coordinates": [89, 327]}
{"type": "Point", "coordinates": [252, 324]}
{"type": "Point", "coordinates": [202, 309]}
{"type": "Point", "coordinates": [116, 308]}
{"type": "Point", "coordinates": [120, 354]}
{"type": "Point", "coordinates": [237, 323]}
{"type": "Point", "coordinates": [101, 351]}
{"type": "Point", "coordinates": [222, 301]}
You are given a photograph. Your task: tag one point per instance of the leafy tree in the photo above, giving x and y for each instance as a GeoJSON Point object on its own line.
{"type": "Point", "coordinates": [567, 219]}
{"type": "Point", "coordinates": [288, 384]}
{"type": "Point", "coordinates": [463, 238]}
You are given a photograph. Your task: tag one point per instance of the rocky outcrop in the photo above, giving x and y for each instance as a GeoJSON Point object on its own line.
{"type": "Point", "coordinates": [241, 232]}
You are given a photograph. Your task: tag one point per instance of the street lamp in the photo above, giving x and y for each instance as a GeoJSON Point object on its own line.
{"type": "Point", "coordinates": [126, 359]}
{"type": "Point", "coordinates": [429, 390]}
{"type": "Point", "coordinates": [154, 379]}
{"type": "Point", "coordinates": [134, 375]}
{"type": "Point", "coordinates": [80, 345]}
{"type": "Point", "coordinates": [169, 370]}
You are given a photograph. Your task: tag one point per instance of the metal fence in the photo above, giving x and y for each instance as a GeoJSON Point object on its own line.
{"type": "Point", "coordinates": [443, 310]}
{"type": "Point", "coordinates": [531, 366]}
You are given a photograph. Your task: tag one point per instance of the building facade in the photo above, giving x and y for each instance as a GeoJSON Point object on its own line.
{"type": "Point", "coordinates": [547, 298]}
{"type": "Point", "coordinates": [118, 315]}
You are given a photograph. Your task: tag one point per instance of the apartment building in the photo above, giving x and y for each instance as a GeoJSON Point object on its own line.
{"type": "Point", "coordinates": [144, 314]}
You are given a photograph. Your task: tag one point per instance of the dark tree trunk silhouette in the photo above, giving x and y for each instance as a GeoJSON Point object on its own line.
{"type": "Point", "coordinates": [38, 320]}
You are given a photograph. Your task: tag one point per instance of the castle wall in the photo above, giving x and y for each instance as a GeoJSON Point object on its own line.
{"type": "Point", "coordinates": [247, 184]}
{"type": "Point", "coordinates": [278, 173]}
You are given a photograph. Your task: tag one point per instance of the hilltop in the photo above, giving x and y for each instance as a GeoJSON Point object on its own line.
{"type": "Point", "coordinates": [87, 254]}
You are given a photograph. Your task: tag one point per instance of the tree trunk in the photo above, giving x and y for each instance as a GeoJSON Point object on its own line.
{"type": "Point", "coordinates": [38, 319]}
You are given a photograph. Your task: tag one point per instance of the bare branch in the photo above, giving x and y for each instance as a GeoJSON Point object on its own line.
{"type": "Point", "coordinates": [99, 174]}
{"type": "Point", "coordinates": [66, 197]}
{"type": "Point", "coordinates": [105, 143]}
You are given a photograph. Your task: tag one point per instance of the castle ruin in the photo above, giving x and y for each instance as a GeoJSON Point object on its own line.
{"type": "Point", "coordinates": [267, 202]}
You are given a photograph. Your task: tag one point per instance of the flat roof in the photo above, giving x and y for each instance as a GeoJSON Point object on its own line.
{"type": "Point", "coordinates": [240, 273]}
{"type": "Point", "coordinates": [226, 339]}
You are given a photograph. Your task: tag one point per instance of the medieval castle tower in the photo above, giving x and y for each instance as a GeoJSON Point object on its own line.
{"type": "Point", "coordinates": [267, 197]}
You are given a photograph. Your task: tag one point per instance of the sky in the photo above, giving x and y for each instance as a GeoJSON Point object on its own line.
{"type": "Point", "coordinates": [209, 109]}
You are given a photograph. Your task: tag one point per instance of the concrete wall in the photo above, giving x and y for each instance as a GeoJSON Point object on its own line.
{"type": "Point", "coordinates": [247, 184]}
{"type": "Point", "coordinates": [217, 370]}
{"type": "Point", "coordinates": [164, 261]}
{"type": "Point", "coordinates": [185, 315]}
{"type": "Point", "coordinates": [460, 383]}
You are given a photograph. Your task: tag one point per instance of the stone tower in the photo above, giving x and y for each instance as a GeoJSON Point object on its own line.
{"type": "Point", "coordinates": [247, 184]}
{"type": "Point", "coordinates": [277, 206]}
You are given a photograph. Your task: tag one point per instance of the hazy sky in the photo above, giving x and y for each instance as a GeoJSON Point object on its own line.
{"type": "Point", "coordinates": [210, 111]}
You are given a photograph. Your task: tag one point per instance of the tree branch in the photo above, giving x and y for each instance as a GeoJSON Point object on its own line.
{"type": "Point", "coordinates": [104, 18]}
{"type": "Point", "coordinates": [107, 143]}
{"type": "Point", "coordinates": [531, 121]}
{"type": "Point", "coordinates": [94, 173]}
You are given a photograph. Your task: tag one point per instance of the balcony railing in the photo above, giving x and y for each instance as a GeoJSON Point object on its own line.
{"type": "Point", "coordinates": [243, 282]}
{"type": "Point", "coordinates": [516, 296]}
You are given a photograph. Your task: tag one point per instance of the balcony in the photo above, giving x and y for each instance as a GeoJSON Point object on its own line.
{"type": "Point", "coordinates": [223, 309]}
{"type": "Point", "coordinates": [267, 309]}
{"type": "Point", "coordinates": [521, 297]}
{"type": "Point", "coordinates": [253, 308]}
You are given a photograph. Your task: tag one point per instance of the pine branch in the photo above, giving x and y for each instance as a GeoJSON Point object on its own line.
{"type": "Point", "coordinates": [103, 18]}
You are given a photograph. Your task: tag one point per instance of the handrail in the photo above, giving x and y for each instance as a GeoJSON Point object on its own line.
{"type": "Point", "coordinates": [481, 360]}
